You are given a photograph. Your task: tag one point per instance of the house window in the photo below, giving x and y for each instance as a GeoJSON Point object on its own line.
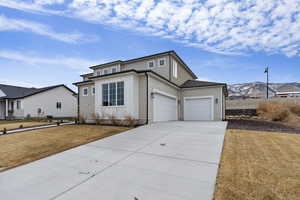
{"type": "Point", "coordinates": [39, 110]}
{"type": "Point", "coordinates": [18, 104]}
{"type": "Point", "coordinates": [151, 64]}
{"type": "Point", "coordinates": [98, 73]}
{"type": "Point", "coordinates": [85, 91]}
{"type": "Point", "coordinates": [113, 94]}
{"type": "Point", "coordinates": [162, 62]}
{"type": "Point", "coordinates": [175, 69]}
{"type": "Point", "coordinates": [93, 91]}
{"type": "Point", "coordinates": [58, 105]}
{"type": "Point", "coordinates": [106, 71]}
{"type": "Point", "coordinates": [113, 70]}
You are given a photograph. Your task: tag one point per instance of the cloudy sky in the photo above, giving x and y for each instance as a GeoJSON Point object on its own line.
{"type": "Point", "coordinates": [47, 42]}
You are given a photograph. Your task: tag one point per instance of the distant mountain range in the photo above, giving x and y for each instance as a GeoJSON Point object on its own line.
{"type": "Point", "coordinates": [258, 89]}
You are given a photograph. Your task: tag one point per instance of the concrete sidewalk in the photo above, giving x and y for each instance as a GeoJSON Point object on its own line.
{"type": "Point", "coordinates": [163, 161]}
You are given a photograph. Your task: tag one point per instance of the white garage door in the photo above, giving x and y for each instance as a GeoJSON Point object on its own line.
{"type": "Point", "coordinates": [198, 108]}
{"type": "Point", "coordinates": [164, 108]}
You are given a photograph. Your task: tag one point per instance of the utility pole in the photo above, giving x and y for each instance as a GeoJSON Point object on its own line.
{"type": "Point", "coordinates": [267, 71]}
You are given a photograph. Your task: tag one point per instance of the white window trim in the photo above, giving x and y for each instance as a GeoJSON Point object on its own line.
{"type": "Point", "coordinates": [115, 106]}
{"type": "Point", "coordinates": [165, 62]}
{"type": "Point", "coordinates": [175, 69]}
{"type": "Point", "coordinates": [153, 64]}
{"type": "Point", "coordinates": [114, 68]}
{"type": "Point", "coordinates": [87, 94]}
{"type": "Point", "coordinates": [99, 72]}
{"type": "Point", "coordinates": [201, 97]}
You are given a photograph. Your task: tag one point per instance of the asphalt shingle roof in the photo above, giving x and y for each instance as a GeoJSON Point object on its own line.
{"type": "Point", "coordinates": [15, 92]}
{"type": "Point", "coordinates": [196, 83]}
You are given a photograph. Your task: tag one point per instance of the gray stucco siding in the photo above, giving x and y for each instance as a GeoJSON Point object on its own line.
{"type": "Point", "coordinates": [143, 65]}
{"type": "Point", "coordinates": [86, 103]}
{"type": "Point", "coordinates": [216, 92]}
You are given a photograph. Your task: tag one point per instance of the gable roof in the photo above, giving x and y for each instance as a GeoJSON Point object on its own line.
{"type": "Point", "coordinates": [172, 52]}
{"type": "Point", "coordinates": [197, 83]}
{"type": "Point", "coordinates": [16, 92]}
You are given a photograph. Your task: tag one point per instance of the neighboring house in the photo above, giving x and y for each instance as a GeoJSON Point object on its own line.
{"type": "Point", "coordinates": [287, 94]}
{"type": "Point", "coordinates": [159, 87]}
{"type": "Point", "coordinates": [20, 102]}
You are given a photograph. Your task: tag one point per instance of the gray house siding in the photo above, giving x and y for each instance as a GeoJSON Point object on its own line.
{"type": "Point", "coordinates": [182, 74]}
{"type": "Point", "coordinates": [86, 103]}
{"type": "Point", "coordinates": [143, 65]}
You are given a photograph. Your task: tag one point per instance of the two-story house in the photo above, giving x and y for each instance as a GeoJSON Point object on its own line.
{"type": "Point", "coordinates": [159, 87]}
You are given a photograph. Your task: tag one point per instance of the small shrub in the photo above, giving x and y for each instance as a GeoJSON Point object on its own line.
{"type": "Point", "coordinates": [21, 126]}
{"type": "Point", "coordinates": [97, 118]}
{"type": "Point", "coordinates": [81, 119]}
{"type": "Point", "coordinates": [274, 111]}
{"type": "Point", "coordinates": [4, 131]}
{"type": "Point", "coordinates": [130, 121]}
{"type": "Point", "coordinates": [28, 117]}
{"type": "Point", "coordinates": [113, 119]}
{"type": "Point", "coordinates": [294, 108]}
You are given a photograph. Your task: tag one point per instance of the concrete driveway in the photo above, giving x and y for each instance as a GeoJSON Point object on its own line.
{"type": "Point", "coordinates": [163, 161]}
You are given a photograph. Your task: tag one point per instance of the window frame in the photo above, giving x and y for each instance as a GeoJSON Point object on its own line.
{"type": "Point", "coordinates": [113, 69]}
{"type": "Point", "coordinates": [148, 64]}
{"type": "Point", "coordinates": [108, 71]}
{"type": "Point", "coordinates": [87, 94]}
{"type": "Point", "coordinates": [99, 72]}
{"type": "Point", "coordinates": [108, 96]}
{"type": "Point", "coordinates": [162, 59]}
{"type": "Point", "coordinates": [58, 105]}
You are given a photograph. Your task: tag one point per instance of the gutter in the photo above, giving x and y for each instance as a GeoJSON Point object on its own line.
{"type": "Point", "coordinates": [78, 104]}
{"type": "Point", "coordinates": [147, 102]}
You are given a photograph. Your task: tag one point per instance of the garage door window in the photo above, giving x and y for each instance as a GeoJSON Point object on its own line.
{"type": "Point", "coordinates": [113, 94]}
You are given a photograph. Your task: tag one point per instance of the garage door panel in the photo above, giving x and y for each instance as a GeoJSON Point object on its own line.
{"type": "Point", "coordinates": [198, 109]}
{"type": "Point", "coordinates": [164, 108]}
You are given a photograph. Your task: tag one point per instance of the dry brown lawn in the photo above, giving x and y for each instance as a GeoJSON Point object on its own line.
{"type": "Point", "coordinates": [20, 148]}
{"type": "Point", "coordinates": [9, 125]}
{"type": "Point", "coordinates": [259, 166]}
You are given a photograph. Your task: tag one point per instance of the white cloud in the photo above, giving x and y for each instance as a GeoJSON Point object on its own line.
{"type": "Point", "coordinates": [79, 64]}
{"type": "Point", "coordinates": [222, 26]}
{"type": "Point", "coordinates": [10, 24]}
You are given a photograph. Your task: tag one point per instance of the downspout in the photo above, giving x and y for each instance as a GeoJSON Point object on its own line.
{"type": "Point", "coordinates": [78, 104]}
{"type": "Point", "coordinates": [147, 101]}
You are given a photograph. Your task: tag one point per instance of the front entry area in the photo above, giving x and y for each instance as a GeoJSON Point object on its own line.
{"type": "Point", "coordinates": [164, 107]}
{"type": "Point", "coordinates": [198, 108]}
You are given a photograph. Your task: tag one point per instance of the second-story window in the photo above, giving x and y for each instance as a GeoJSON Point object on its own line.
{"type": "Point", "coordinates": [85, 91]}
{"type": "Point", "coordinates": [174, 69]}
{"type": "Point", "coordinates": [113, 70]}
{"type": "Point", "coordinates": [98, 73]}
{"type": "Point", "coordinates": [58, 105]}
{"type": "Point", "coordinates": [162, 62]}
{"type": "Point", "coordinates": [93, 91]}
{"type": "Point", "coordinates": [106, 71]}
{"type": "Point", "coordinates": [151, 64]}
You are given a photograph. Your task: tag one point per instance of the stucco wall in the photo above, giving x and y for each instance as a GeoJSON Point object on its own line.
{"type": "Point", "coordinates": [47, 102]}
{"type": "Point", "coordinates": [156, 83]}
{"type": "Point", "coordinates": [182, 74]}
{"type": "Point", "coordinates": [131, 97]}
{"type": "Point", "coordinates": [86, 103]}
{"type": "Point", "coordinates": [216, 92]}
{"type": "Point", "coordinates": [143, 65]}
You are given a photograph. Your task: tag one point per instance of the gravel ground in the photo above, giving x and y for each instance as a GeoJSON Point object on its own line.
{"type": "Point", "coordinates": [256, 125]}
